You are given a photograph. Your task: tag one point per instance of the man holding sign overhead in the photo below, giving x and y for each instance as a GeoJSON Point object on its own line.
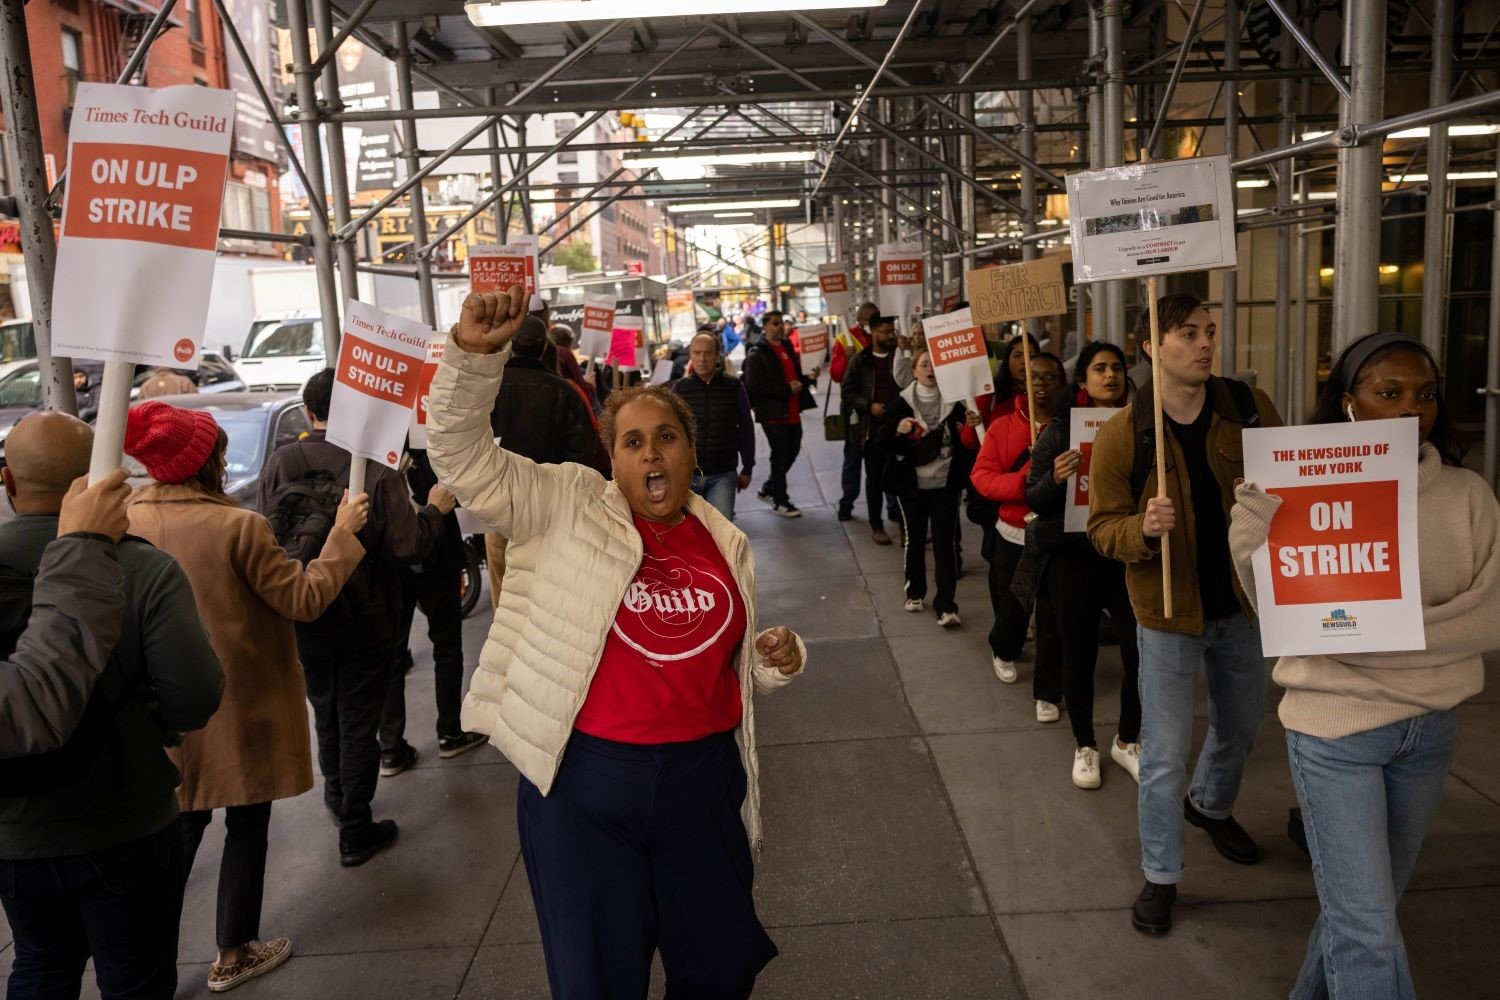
{"type": "Point", "coordinates": [1209, 618]}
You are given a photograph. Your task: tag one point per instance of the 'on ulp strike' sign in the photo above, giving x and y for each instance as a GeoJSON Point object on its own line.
{"type": "Point", "coordinates": [376, 381]}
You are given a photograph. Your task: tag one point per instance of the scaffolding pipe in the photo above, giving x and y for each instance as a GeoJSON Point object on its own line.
{"type": "Point", "coordinates": [1491, 388]}
{"type": "Point", "coordinates": [1357, 235]}
{"type": "Point", "coordinates": [585, 220]}
{"type": "Point", "coordinates": [492, 135]}
{"type": "Point", "coordinates": [1112, 24]}
{"type": "Point", "coordinates": [425, 298]}
{"type": "Point", "coordinates": [1231, 64]}
{"type": "Point", "coordinates": [1026, 113]}
{"type": "Point", "coordinates": [1229, 313]}
{"type": "Point", "coordinates": [1294, 31]}
{"type": "Point", "coordinates": [1436, 228]}
{"type": "Point", "coordinates": [351, 22]}
{"type": "Point", "coordinates": [1303, 368]}
{"type": "Point", "coordinates": [338, 175]}
{"type": "Point", "coordinates": [1286, 118]}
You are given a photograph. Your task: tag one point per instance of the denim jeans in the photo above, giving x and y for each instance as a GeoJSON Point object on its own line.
{"type": "Point", "coordinates": [1367, 800]}
{"type": "Point", "coordinates": [1229, 648]}
{"type": "Point", "coordinates": [719, 489]}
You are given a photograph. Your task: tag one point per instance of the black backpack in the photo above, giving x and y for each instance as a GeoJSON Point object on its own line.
{"type": "Point", "coordinates": [1145, 440]}
{"type": "Point", "coordinates": [303, 509]}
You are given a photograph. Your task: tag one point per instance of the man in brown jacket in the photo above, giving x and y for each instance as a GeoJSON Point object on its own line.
{"type": "Point", "coordinates": [1211, 621]}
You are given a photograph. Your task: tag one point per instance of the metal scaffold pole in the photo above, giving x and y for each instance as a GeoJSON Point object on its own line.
{"type": "Point", "coordinates": [1356, 279]}
{"type": "Point", "coordinates": [1491, 388]}
{"type": "Point", "coordinates": [1112, 23]}
{"type": "Point", "coordinates": [1229, 314]}
{"type": "Point", "coordinates": [1436, 227]}
{"type": "Point", "coordinates": [413, 163]}
{"type": "Point", "coordinates": [1027, 115]}
{"type": "Point", "coordinates": [343, 247]}
{"type": "Point", "coordinates": [1285, 172]}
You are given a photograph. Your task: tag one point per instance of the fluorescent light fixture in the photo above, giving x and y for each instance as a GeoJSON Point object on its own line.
{"type": "Point", "coordinates": [1307, 136]}
{"type": "Point", "coordinates": [1424, 131]}
{"type": "Point", "coordinates": [1253, 182]}
{"type": "Point", "coordinates": [1390, 269]}
{"type": "Point", "coordinates": [1453, 175]}
{"type": "Point", "coordinates": [720, 159]}
{"type": "Point", "coordinates": [1323, 196]}
{"type": "Point", "coordinates": [512, 12]}
{"type": "Point", "coordinates": [1050, 222]}
{"type": "Point", "coordinates": [734, 215]}
{"type": "Point", "coordinates": [731, 206]}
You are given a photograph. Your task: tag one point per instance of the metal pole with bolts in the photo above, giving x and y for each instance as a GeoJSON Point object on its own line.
{"type": "Point", "coordinates": [1229, 294]}
{"type": "Point", "coordinates": [1491, 388]}
{"type": "Point", "coordinates": [1112, 23]}
{"type": "Point", "coordinates": [1436, 228]}
{"type": "Point", "coordinates": [418, 196]}
{"type": "Point", "coordinates": [338, 176]}
{"type": "Point", "coordinates": [1285, 173]}
{"type": "Point", "coordinates": [1356, 277]}
{"type": "Point", "coordinates": [1027, 115]}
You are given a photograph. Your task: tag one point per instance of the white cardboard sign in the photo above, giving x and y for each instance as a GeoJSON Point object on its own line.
{"type": "Point", "coordinates": [813, 341]}
{"type": "Point", "coordinates": [375, 384]}
{"type": "Point", "coordinates": [596, 332]}
{"type": "Point", "coordinates": [1086, 421]}
{"type": "Point", "coordinates": [838, 293]}
{"type": "Point", "coordinates": [959, 359]}
{"type": "Point", "coordinates": [140, 226]}
{"type": "Point", "coordinates": [1339, 572]}
{"type": "Point", "coordinates": [953, 294]}
{"type": "Point", "coordinates": [901, 271]}
{"type": "Point", "coordinates": [1152, 218]}
{"type": "Point", "coordinates": [418, 432]}
{"type": "Point", "coordinates": [661, 372]}
{"type": "Point", "coordinates": [496, 268]}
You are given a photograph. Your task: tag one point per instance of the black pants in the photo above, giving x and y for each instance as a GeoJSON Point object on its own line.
{"type": "Point", "coordinates": [438, 595]}
{"type": "Point", "coordinates": [242, 869]}
{"type": "Point", "coordinates": [852, 471]}
{"type": "Point", "coordinates": [1088, 586]}
{"type": "Point", "coordinates": [937, 511]}
{"type": "Point", "coordinates": [786, 444]}
{"type": "Point", "coordinates": [348, 677]}
{"type": "Point", "coordinates": [121, 906]}
{"type": "Point", "coordinates": [640, 848]}
{"type": "Point", "coordinates": [1008, 634]}
{"type": "Point", "coordinates": [876, 456]}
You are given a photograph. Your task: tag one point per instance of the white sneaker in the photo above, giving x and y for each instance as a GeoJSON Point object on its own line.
{"type": "Point", "coordinates": [949, 619]}
{"type": "Point", "coordinates": [1086, 768]}
{"type": "Point", "coordinates": [1047, 712]}
{"type": "Point", "coordinates": [914, 605]}
{"type": "Point", "coordinates": [1129, 757]}
{"type": "Point", "coordinates": [1004, 669]}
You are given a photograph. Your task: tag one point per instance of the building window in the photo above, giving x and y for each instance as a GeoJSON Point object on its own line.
{"type": "Point", "coordinates": [246, 207]}
{"type": "Point", "coordinates": [564, 126]}
{"type": "Point", "coordinates": [72, 57]}
{"type": "Point", "coordinates": [195, 21]}
{"type": "Point", "coordinates": [567, 177]}
{"type": "Point", "coordinates": [567, 157]}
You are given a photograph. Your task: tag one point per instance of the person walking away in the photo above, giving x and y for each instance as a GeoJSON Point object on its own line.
{"type": "Point", "coordinates": [1081, 583]}
{"type": "Point", "coordinates": [1211, 623]}
{"type": "Point", "coordinates": [778, 394]}
{"type": "Point", "coordinates": [248, 591]}
{"type": "Point", "coordinates": [869, 387]}
{"type": "Point", "coordinates": [639, 837]}
{"type": "Point", "coordinates": [999, 475]}
{"type": "Point", "coordinates": [349, 652]}
{"type": "Point", "coordinates": [845, 346]}
{"type": "Point", "coordinates": [726, 429]}
{"type": "Point", "coordinates": [1371, 736]}
{"type": "Point", "coordinates": [928, 468]}
{"type": "Point", "coordinates": [167, 382]}
{"type": "Point", "coordinates": [562, 337]}
{"type": "Point", "coordinates": [540, 417]}
{"type": "Point", "coordinates": [435, 585]}
{"type": "Point", "coordinates": [90, 835]}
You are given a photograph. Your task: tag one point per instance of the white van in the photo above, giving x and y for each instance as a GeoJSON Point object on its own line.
{"type": "Point", "coordinates": [282, 352]}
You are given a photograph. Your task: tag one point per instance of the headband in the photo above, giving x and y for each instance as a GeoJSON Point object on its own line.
{"type": "Point", "coordinates": [1355, 357]}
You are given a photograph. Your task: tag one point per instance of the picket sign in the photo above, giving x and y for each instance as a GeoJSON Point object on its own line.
{"type": "Point", "coordinates": [628, 342]}
{"type": "Point", "coordinates": [596, 330]}
{"type": "Point", "coordinates": [417, 434]}
{"type": "Point", "coordinates": [838, 293]}
{"type": "Point", "coordinates": [1086, 421]}
{"type": "Point", "coordinates": [960, 361]}
{"type": "Point", "coordinates": [900, 271]}
{"type": "Point", "coordinates": [813, 339]}
{"type": "Point", "coordinates": [375, 384]}
{"type": "Point", "coordinates": [497, 268]}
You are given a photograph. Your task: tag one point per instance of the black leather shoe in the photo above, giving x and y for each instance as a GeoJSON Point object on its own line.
{"type": "Point", "coordinates": [1230, 839]}
{"type": "Point", "coordinates": [356, 849]}
{"type": "Point", "coordinates": [1152, 913]}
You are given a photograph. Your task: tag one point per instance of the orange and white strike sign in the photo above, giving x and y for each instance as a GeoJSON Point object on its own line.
{"type": "Point", "coordinates": [497, 268]}
{"type": "Point", "coordinates": [812, 341]}
{"type": "Point", "coordinates": [417, 435]}
{"type": "Point", "coordinates": [596, 331]}
{"type": "Point", "coordinates": [959, 358]}
{"type": "Point", "coordinates": [833, 282]}
{"type": "Point", "coordinates": [376, 382]}
{"type": "Point", "coordinates": [1339, 571]}
{"type": "Point", "coordinates": [901, 271]}
{"type": "Point", "coordinates": [140, 226]}
{"type": "Point", "coordinates": [1083, 428]}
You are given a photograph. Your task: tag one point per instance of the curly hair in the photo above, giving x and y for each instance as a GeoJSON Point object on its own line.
{"type": "Point", "coordinates": [620, 398]}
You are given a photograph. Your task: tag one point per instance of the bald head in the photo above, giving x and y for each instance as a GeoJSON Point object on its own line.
{"type": "Point", "coordinates": [44, 453]}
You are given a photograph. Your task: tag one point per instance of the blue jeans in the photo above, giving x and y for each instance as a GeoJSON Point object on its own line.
{"type": "Point", "coordinates": [1367, 800]}
{"type": "Point", "coordinates": [719, 489]}
{"type": "Point", "coordinates": [1229, 648]}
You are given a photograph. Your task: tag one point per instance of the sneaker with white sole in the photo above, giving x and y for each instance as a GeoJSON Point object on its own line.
{"type": "Point", "coordinates": [765, 497]}
{"type": "Point", "coordinates": [914, 605]}
{"type": "Point", "coordinates": [1086, 768]}
{"type": "Point", "coordinates": [1128, 757]}
{"type": "Point", "coordinates": [259, 959]}
{"type": "Point", "coordinates": [787, 509]}
{"type": "Point", "coordinates": [1047, 712]}
{"type": "Point", "coordinates": [1004, 669]}
{"type": "Point", "coordinates": [949, 619]}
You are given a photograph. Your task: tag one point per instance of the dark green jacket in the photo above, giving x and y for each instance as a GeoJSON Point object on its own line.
{"type": "Point", "coordinates": [173, 679]}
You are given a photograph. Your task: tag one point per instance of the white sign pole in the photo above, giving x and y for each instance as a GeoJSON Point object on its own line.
{"type": "Point", "coordinates": [973, 404]}
{"type": "Point", "coordinates": [109, 428]}
{"type": "Point", "coordinates": [356, 475]}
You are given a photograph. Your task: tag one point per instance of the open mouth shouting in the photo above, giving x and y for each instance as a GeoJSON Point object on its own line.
{"type": "Point", "coordinates": [656, 486]}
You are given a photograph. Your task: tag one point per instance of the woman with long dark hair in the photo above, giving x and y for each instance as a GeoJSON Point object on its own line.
{"type": "Point", "coordinates": [1370, 736]}
{"type": "Point", "coordinates": [1081, 583]}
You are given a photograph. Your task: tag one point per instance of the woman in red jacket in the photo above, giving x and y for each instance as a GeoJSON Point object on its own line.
{"type": "Point", "coordinates": [1000, 475]}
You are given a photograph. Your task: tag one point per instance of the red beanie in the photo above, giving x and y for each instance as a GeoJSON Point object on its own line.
{"type": "Point", "coordinates": [172, 443]}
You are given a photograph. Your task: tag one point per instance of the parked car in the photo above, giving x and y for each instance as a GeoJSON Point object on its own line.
{"type": "Point", "coordinates": [282, 353]}
{"type": "Point", "coordinates": [17, 344]}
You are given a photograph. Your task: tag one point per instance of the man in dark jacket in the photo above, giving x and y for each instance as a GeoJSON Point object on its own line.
{"type": "Point", "coordinates": [721, 409]}
{"type": "Point", "coordinates": [349, 654]}
{"type": "Point", "coordinates": [90, 839]}
{"type": "Point", "coordinates": [870, 385]}
{"type": "Point", "coordinates": [538, 415]}
{"type": "Point", "coordinates": [778, 393]}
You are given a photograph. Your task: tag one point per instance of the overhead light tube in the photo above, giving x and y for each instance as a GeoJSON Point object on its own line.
{"type": "Point", "coordinates": [508, 13]}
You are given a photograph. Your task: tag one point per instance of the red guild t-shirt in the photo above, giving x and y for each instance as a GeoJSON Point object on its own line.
{"type": "Point", "coordinates": [668, 670]}
{"type": "Point", "coordinates": [789, 372]}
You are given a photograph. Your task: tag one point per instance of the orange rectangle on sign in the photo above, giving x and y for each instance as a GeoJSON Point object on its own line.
{"type": "Point", "coordinates": [424, 389]}
{"type": "Point", "coordinates": [489, 273]}
{"type": "Point", "coordinates": [834, 282]}
{"type": "Point", "coordinates": [372, 370]}
{"type": "Point", "coordinates": [1335, 543]}
{"type": "Point", "coordinates": [149, 194]}
{"type": "Point", "coordinates": [901, 272]}
{"type": "Point", "coordinates": [960, 345]}
{"type": "Point", "coordinates": [1081, 479]}
{"type": "Point", "coordinates": [598, 319]}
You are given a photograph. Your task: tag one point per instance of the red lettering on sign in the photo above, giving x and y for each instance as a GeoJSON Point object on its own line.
{"type": "Point", "coordinates": [372, 370]}
{"type": "Point", "coordinates": [834, 282]}
{"type": "Point", "coordinates": [960, 345]}
{"type": "Point", "coordinates": [1335, 543]}
{"type": "Point", "coordinates": [1081, 481]}
{"type": "Point", "coordinates": [492, 273]}
{"type": "Point", "coordinates": [598, 319]}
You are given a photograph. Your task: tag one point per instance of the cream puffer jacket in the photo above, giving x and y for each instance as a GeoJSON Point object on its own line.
{"type": "Point", "coordinates": [574, 549]}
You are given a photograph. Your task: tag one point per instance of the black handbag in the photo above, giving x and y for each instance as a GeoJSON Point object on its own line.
{"type": "Point", "coordinates": [835, 425]}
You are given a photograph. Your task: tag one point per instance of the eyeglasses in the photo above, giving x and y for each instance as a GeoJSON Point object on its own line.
{"type": "Point", "coordinates": [1045, 377]}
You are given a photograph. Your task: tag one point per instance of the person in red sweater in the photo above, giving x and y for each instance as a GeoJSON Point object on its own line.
{"type": "Point", "coordinates": [1000, 475]}
{"type": "Point", "coordinates": [845, 346]}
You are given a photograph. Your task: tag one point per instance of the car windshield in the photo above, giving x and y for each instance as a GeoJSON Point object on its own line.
{"type": "Point", "coordinates": [246, 430]}
{"type": "Point", "coordinates": [298, 338]}
{"type": "Point", "coordinates": [23, 388]}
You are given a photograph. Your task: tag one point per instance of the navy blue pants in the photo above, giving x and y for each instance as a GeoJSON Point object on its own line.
{"type": "Point", "coordinates": [640, 848]}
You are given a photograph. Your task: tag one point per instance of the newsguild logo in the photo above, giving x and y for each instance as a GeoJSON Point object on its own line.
{"type": "Point", "coordinates": [1339, 620]}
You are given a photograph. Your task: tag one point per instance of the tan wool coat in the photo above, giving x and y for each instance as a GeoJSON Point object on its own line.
{"type": "Point", "coordinates": [249, 591]}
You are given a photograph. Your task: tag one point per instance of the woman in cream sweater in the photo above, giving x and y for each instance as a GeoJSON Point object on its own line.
{"type": "Point", "coordinates": [1371, 736]}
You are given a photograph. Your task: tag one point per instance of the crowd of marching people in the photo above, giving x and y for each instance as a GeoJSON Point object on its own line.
{"type": "Point", "coordinates": [162, 645]}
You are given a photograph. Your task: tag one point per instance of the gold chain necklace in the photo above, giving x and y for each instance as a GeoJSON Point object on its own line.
{"type": "Point", "coordinates": [661, 536]}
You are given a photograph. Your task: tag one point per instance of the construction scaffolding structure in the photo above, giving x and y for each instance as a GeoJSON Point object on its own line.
{"type": "Point", "coordinates": [946, 121]}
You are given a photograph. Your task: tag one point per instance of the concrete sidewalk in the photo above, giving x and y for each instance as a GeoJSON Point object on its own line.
{"type": "Point", "coordinates": [923, 839]}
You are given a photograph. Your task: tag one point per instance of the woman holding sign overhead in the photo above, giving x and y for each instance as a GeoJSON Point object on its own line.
{"type": "Point", "coordinates": [618, 679]}
{"type": "Point", "coordinates": [1371, 736]}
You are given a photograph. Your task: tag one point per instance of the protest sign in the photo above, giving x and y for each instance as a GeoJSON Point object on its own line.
{"type": "Point", "coordinates": [813, 341]}
{"type": "Point", "coordinates": [661, 372]}
{"type": "Point", "coordinates": [1152, 218]}
{"type": "Point", "coordinates": [497, 268]}
{"type": "Point", "coordinates": [833, 280]}
{"type": "Point", "coordinates": [375, 383]}
{"type": "Point", "coordinates": [1018, 291]}
{"type": "Point", "coordinates": [140, 225]}
{"type": "Point", "coordinates": [418, 431]}
{"type": "Point", "coordinates": [959, 359]}
{"type": "Point", "coordinates": [627, 347]}
{"type": "Point", "coordinates": [901, 272]}
{"type": "Point", "coordinates": [682, 315]}
{"type": "Point", "coordinates": [953, 294]}
{"type": "Point", "coordinates": [1086, 421]}
{"type": "Point", "coordinates": [596, 332]}
{"type": "Point", "coordinates": [1339, 571]}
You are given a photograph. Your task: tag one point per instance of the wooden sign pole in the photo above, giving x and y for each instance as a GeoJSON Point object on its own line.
{"type": "Point", "coordinates": [1026, 355]}
{"type": "Point", "coordinates": [1161, 444]}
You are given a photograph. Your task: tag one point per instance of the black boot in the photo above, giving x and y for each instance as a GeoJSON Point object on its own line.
{"type": "Point", "coordinates": [1152, 913]}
